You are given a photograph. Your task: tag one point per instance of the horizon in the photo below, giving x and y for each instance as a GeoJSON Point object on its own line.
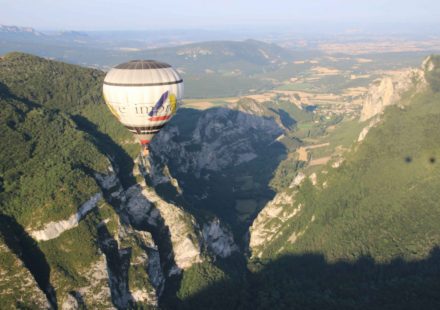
{"type": "Point", "coordinates": [322, 16]}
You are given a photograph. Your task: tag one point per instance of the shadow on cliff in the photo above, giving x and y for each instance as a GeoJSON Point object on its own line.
{"type": "Point", "coordinates": [27, 250]}
{"type": "Point", "coordinates": [118, 264]}
{"type": "Point", "coordinates": [243, 148]}
{"type": "Point", "coordinates": [310, 282]}
{"type": "Point", "coordinates": [109, 147]}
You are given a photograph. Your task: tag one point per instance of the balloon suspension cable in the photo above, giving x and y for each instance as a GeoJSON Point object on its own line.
{"type": "Point", "coordinates": [145, 152]}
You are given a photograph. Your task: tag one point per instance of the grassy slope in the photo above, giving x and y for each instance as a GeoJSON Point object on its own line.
{"type": "Point", "coordinates": [383, 201]}
{"type": "Point", "coordinates": [374, 240]}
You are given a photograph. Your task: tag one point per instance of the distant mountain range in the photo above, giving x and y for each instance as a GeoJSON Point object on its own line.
{"type": "Point", "coordinates": [17, 29]}
{"type": "Point", "coordinates": [223, 55]}
{"type": "Point", "coordinates": [216, 68]}
{"type": "Point", "coordinates": [13, 31]}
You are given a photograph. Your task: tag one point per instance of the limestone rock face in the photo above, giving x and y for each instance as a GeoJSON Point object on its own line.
{"type": "Point", "coordinates": [270, 219]}
{"type": "Point", "coordinates": [182, 228]}
{"type": "Point", "coordinates": [389, 90]}
{"type": "Point", "coordinates": [300, 177]}
{"type": "Point", "coordinates": [138, 207]}
{"type": "Point", "coordinates": [220, 138]}
{"type": "Point", "coordinates": [143, 271]}
{"type": "Point", "coordinates": [366, 129]}
{"type": "Point", "coordinates": [218, 239]}
{"type": "Point", "coordinates": [144, 205]}
{"type": "Point", "coordinates": [145, 276]}
{"type": "Point", "coordinates": [428, 64]}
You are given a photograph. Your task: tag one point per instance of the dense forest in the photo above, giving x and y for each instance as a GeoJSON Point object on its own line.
{"type": "Point", "coordinates": [46, 144]}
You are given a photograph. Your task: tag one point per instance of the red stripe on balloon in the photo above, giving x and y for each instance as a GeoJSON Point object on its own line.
{"type": "Point", "coordinates": [143, 142]}
{"type": "Point", "coordinates": [160, 118]}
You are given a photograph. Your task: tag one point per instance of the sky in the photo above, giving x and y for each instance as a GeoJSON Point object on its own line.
{"type": "Point", "coordinates": [190, 14]}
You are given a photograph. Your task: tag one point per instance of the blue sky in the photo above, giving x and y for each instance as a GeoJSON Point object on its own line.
{"type": "Point", "coordinates": [178, 14]}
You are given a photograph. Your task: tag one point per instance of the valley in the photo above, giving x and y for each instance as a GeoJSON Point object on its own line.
{"type": "Point", "coordinates": [246, 181]}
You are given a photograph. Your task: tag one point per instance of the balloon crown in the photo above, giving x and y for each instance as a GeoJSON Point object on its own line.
{"type": "Point", "coordinates": [143, 65]}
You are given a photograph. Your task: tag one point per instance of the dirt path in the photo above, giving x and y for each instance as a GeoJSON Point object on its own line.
{"type": "Point", "coordinates": [320, 161]}
{"type": "Point", "coordinates": [316, 146]}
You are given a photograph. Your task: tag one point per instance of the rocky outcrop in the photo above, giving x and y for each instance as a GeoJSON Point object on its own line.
{"type": "Point", "coordinates": [314, 178]}
{"type": "Point", "coordinates": [143, 204]}
{"type": "Point", "coordinates": [221, 138]}
{"type": "Point", "coordinates": [138, 207]}
{"type": "Point", "coordinates": [97, 293]}
{"type": "Point", "coordinates": [373, 122]}
{"type": "Point", "coordinates": [182, 229]}
{"type": "Point", "coordinates": [108, 180]}
{"type": "Point", "coordinates": [428, 64]}
{"type": "Point", "coordinates": [299, 178]}
{"type": "Point", "coordinates": [218, 239]}
{"type": "Point", "coordinates": [269, 221]}
{"type": "Point", "coordinates": [389, 90]}
{"type": "Point", "coordinates": [161, 175]}
{"type": "Point", "coordinates": [146, 280]}
{"type": "Point", "coordinates": [143, 272]}
{"type": "Point", "coordinates": [70, 303]}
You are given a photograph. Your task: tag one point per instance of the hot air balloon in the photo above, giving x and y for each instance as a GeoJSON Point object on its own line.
{"type": "Point", "coordinates": [143, 95]}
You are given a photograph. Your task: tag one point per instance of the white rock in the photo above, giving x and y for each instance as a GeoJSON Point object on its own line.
{"type": "Point", "coordinates": [218, 239]}
{"type": "Point", "coordinates": [269, 220]}
{"type": "Point", "coordinates": [185, 242]}
{"type": "Point", "coordinates": [300, 177]}
{"type": "Point", "coordinates": [70, 303]}
{"type": "Point", "coordinates": [366, 130]}
{"type": "Point", "coordinates": [314, 178]}
{"type": "Point", "coordinates": [54, 229]}
{"type": "Point", "coordinates": [389, 90]}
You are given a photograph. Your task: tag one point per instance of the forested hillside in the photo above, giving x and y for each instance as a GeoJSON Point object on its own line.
{"type": "Point", "coordinates": [57, 137]}
{"type": "Point", "coordinates": [366, 234]}
{"type": "Point", "coordinates": [45, 145]}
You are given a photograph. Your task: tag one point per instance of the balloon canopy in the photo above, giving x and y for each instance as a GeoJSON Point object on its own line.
{"type": "Point", "coordinates": [143, 95]}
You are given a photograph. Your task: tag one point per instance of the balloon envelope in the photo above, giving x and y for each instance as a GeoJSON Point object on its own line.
{"type": "Point", "coordinates": [143, 95]}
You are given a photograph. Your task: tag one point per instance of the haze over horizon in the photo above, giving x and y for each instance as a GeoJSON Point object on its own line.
{"type": "Point", "coordinates": [320, 16]}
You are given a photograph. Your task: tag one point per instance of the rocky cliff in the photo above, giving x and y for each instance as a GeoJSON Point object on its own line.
{"type": "Point", "coordinates": [220, 138]}
{"type": "Point", "coordinates": [390, 89]}
{"type": "Point", "coordinates": [209, 159]}
{"type": "Point", "coordinates": [218, 239]}
{"type": "Point", "coordinates": [275, 214]}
